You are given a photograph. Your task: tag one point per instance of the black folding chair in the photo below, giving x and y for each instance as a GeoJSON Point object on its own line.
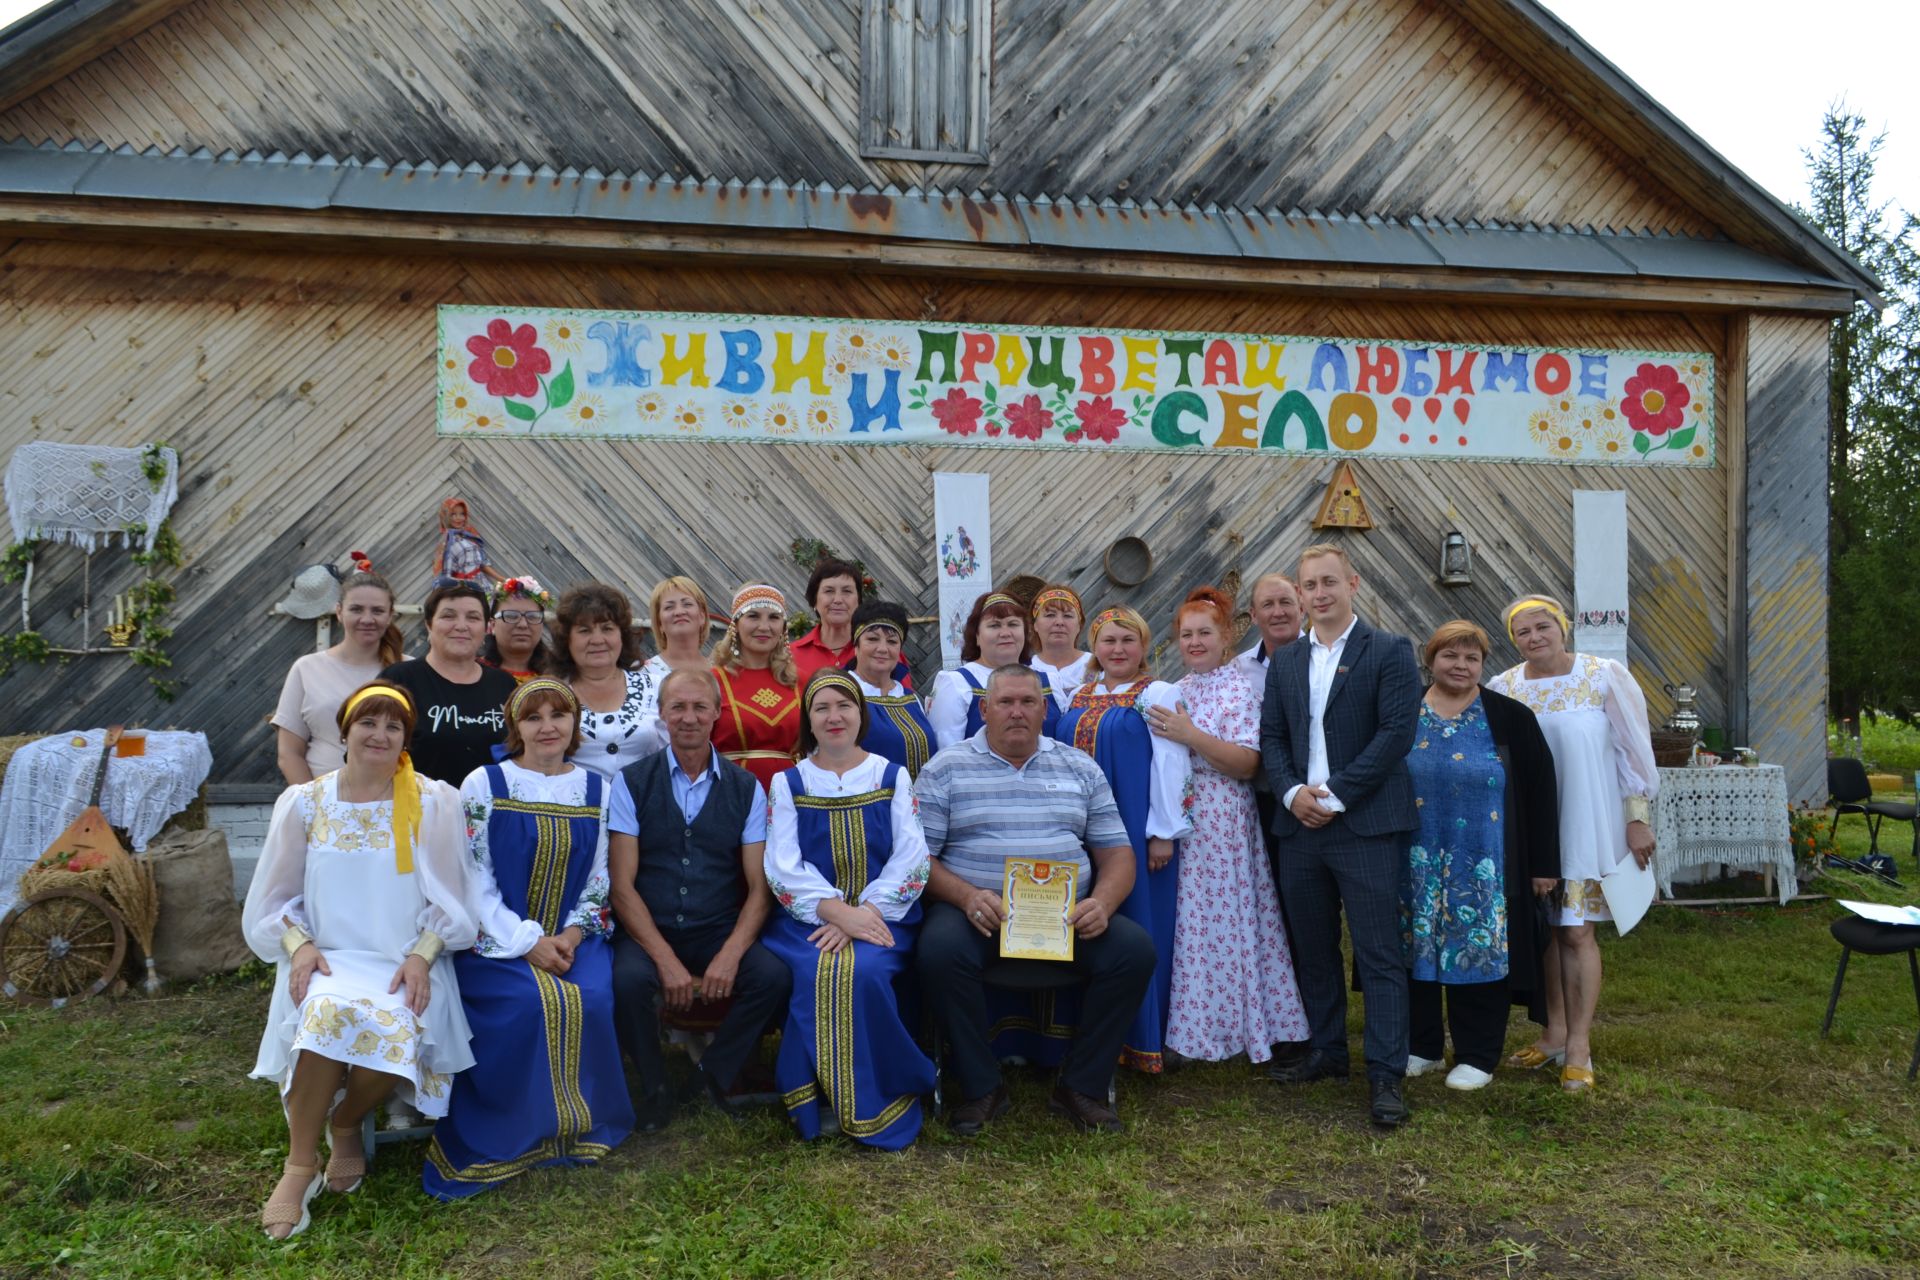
{"type": "Point", "coordinates": [1871, 938]}
{"type": "Point", "coordinates": [1850, 792]}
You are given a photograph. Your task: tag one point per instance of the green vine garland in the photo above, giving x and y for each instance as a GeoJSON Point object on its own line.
{"type": "Point", "coordinates": [149, 599]}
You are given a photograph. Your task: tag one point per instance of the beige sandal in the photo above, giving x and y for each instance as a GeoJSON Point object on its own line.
{"type": "Point", "coordinates": [278, 1213]}
{"type": "Point", "coordinates": [340, 1165]}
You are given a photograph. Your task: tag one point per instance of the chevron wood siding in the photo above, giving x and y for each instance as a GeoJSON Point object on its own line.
{"type": "Point", "coordinates": [1786, 569]}
{"type": "Point", "coordinates": [299, 390]}
{"type": "Point", "coordinates": [1391, 107]}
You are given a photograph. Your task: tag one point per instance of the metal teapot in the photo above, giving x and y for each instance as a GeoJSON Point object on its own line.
{"type": "Point", "coordinates": [1684, 718]}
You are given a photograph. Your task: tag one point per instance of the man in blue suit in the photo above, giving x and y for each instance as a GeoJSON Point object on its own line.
{"type": "Point", "coordinates": [1335, 728]}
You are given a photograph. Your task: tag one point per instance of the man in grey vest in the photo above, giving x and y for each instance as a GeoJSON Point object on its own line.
{"type": "Point", "coordinates": [687, 829]}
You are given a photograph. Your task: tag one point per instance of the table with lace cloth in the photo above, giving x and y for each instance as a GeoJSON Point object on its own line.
{"type": "Point", "coordinates": [50, 781]}
{"type": "Point", "coordinates": [1729, 814]}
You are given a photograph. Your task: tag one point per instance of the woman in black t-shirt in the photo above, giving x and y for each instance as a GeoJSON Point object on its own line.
{"type": "Point", "coordinates": [458, 703]}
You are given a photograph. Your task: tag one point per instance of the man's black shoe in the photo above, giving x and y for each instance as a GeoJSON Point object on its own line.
{"type": "Point", "coordinates": [1088, 1115]}
{"type": "Point", "coordinates": [1389, 1108]}
{"type": "Point", "coordinates": [651, 1113]}
{"type": "Point", "coordinates": [728, 1103]}
{"type": "Point", "coordinates": [970, 1118]}
{"type": "Point", "coordinates": [1315, 1066]}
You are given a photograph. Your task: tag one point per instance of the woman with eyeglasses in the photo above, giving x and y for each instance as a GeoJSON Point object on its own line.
{"type": "Point", "coordinates": [517, 637]}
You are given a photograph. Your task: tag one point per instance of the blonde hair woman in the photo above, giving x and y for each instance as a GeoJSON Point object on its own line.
{"type": "Point", "coordinates": [1152, 780]}
{"type": "Point", "coordinates": [677, 607]}
{"type": "Point", "coordinates": [1594, 717]}
{"type": "Point", "coordinates": [759, 724]}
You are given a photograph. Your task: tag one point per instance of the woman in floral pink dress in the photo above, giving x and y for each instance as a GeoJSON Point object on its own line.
{"type": "Point", "coordinates": [1233, 985]}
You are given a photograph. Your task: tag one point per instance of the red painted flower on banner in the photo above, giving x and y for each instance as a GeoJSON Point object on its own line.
{"type": "Point", "coordinates": [1099, 419]}
{"type": "Point", "coordinates": [506, 360]}
{"type": "Point", "coordinates": [1656, 399]}
{"type": "Point", "coordinates": [1028, 419]}
{"type": "Point", "coordinates": [957, 412]}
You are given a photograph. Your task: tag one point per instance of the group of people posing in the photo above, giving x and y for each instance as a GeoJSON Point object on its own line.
{"type": "Point", "coordinates": [504, 864]}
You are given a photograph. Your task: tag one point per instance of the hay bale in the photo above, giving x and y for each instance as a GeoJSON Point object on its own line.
{"type": "Point", "coordinates": [12, 743]}
{"type": "Point", "coordinates": [199, 927]}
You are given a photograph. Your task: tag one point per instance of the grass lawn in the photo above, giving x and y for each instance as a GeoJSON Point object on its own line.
{"type": "Point", "coordinates": [1727, 1138]}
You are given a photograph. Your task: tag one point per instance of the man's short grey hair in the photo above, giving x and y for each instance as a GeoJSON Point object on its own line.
{"type": "Point", "coordinates": [704, 676]}
{"type": "Point", "coordinates": [1008, 672]}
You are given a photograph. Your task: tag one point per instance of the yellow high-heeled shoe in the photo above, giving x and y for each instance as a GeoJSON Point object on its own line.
{"type": "Point", "coordinates": [1577, 1079]}
{"type": "Point", "coordinates": [1532, 1058]}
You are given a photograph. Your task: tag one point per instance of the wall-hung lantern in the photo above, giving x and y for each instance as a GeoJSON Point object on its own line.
{"type": "Point", "coordinates": [1456, 560]}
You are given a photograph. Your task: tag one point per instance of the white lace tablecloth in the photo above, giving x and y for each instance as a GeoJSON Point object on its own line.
{"type": "Point", "coordinates": [50, 781]}
{"type": "Point", "coordinates": [1729, 814]}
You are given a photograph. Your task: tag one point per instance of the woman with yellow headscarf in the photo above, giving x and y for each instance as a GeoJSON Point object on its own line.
{"type": "Point", "coordinates": [1594, 718]}
{"type": "Point", "coordinates": [360, 890]}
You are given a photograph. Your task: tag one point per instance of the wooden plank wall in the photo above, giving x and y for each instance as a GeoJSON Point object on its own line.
{"type": "Point", "coordinates": [1394, 107]}
{"type": "Point", "coordinates": [300, 391]}
{"type": "Point", "coordinates": [1786, 568]}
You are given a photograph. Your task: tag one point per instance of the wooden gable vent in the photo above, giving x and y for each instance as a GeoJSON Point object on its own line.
{"type": "Point", "coordinates": [1343, 506]}
{"type": "Point", "coordinates": [924, 67]}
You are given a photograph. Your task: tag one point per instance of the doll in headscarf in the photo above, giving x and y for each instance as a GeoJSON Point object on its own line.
{"type": "Point", "coordinates": [462, 556]}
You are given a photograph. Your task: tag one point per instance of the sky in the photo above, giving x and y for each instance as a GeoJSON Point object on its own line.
{"type": "Point", "coordinates": [1745, 77]}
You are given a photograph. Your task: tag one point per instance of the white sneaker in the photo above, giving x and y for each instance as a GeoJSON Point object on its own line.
{"type": "Point", "coordinates": [1465, 1077]}
{"type": "Point", "coordinates": [1418, 1066]}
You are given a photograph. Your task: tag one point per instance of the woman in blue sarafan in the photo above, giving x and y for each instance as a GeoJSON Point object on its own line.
{"type": "Point", "coordinates": [897, 725]}
{"type": "Point", "coordinates": [1152, 781]}
{"type": "Point", "coordinates": [995, 635]}
{"type": "Point", "coordinates": [846, 862]}
{"type": "Point", "coordinates": [546, 1085]}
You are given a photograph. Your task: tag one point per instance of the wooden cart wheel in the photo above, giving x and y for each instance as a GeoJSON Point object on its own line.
{"type": "Point", "coordinates": [61, 947]}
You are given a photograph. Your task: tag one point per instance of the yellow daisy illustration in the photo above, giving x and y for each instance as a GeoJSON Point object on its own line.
{"type": "Point", "coordinates": [651, 407]}
{"type": "Point", "coordinates": [823, 418]}
{"type": "Point", "coordinates": [588, 412]}
{"type": "Point", "coordinates": [858, 345]}
{"type": "Point", "coordinates": [1697, 452]}
{"type": "Point", "coordinates": [1611, 443]}
{"type": "Point", "coordinates": [1565, 443]}
{"type": "Point", "coordinates": [689, 419]}
{"type": "Point", "coordinates": [892, 352]}
{"type": "Point", "coordinates": [839, 365]}
{"type": "Point", "coordinates": [737, 413]}
{"type": "Point", "coordinates": [781, 419]}
{"type": "Point", "coordinates": [564, 335]}
{"type": "Point", "coordinates": [1541, 425]}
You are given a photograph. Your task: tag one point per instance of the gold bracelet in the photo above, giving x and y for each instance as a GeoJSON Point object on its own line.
{"type": "Point", "coordinates": [293, 939]}
{"type": "Point", "coordinates": [1637, 809]}
{"type": "Point", "coordinates": [428, 947]}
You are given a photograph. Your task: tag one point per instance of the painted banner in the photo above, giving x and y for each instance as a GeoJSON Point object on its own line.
{"type": "Point", "coordinates": [678, 376]}
{"type": "Point", "coordinates": [962, 553]}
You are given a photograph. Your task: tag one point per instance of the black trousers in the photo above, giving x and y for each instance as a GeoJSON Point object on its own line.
{"type": "Point", "coordinates": [1322, 872]}
{"type": "Point", "coordinates": [760, 993]}
{"type": "Point", "coordinates": [1476, 1014]}
{"type": "Point", "coordinates": [1117, 968]}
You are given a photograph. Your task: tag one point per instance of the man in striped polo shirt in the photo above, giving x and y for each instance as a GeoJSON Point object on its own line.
{"type": "Point", "coordinates": [1008, 792]}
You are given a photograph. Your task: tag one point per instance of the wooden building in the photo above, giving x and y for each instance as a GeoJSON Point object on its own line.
{"type": "Point", "coordinates": [230, 223]}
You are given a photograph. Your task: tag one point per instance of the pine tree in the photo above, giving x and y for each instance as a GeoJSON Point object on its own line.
{"type": "Point", "coordinates": [1873, 419]}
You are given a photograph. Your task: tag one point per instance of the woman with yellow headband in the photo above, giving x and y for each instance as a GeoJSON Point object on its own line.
{"type": "Point", "coordinates": [546, 1085]}
{"type": "Point", "coordinates": [1594, 718]}
{"type": "Point", "coordinates": [361, 888]}
{"type": "Point", "coordinates": [1057, 618]}
{"type": "Point", "coordinates": [897, 725]}
{"type": "Point", "coordinates": [995, 635]}
{"type": "Point", "coordinates": [847, 862]}
{"type": "Point", "coordinates": [759, 723]}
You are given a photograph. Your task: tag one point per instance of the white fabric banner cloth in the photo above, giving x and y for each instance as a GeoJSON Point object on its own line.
{"type": "Point", "coordinates": [86, 494]}
{"type": "Point", "coordinates": [962, 553]}
{"type": "Point", "coordinates": [50, 781]}
{"type": "Point", "coordinates": [1600, 573]}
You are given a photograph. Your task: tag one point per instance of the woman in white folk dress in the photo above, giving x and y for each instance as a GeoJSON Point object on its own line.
{"type": "Point", "coordinates": [359, 892]}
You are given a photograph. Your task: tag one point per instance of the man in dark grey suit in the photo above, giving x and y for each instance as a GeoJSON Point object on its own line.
{"type": "Point", "coordinates": [1336, 724]}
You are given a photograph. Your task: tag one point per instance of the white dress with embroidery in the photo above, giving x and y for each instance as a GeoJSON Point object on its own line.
{"type": "Point", "coordinates": [1595, 721]}
{"type": "Point", "coordinates": [329, 867]}
{"type": "Point", "coordinates": [798, 885]}
{"type": "Point", "coordinates": [612, 740]}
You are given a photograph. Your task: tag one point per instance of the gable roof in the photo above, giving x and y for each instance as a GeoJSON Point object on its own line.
{"type": "Point", "coordinates": [51, 43]}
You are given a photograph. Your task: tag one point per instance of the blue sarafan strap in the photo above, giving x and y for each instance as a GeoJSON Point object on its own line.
{"type": "Point", "coordinates": [795, 787]}
{"type": "Point", "coordinates": [593, 788]}
{"type": "Point", "coordinates": [497, 782]}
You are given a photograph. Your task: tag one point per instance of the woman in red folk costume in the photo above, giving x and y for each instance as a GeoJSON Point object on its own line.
{"type": "Point", "coordinates": [759, 724]}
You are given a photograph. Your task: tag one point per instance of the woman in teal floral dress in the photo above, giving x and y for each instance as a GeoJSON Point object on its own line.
{"type": "Point", "coordinates": [1487, 850]}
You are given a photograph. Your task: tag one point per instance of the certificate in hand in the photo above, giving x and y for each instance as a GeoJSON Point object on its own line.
{"type": "Point", "coordinates": [1038, 896]}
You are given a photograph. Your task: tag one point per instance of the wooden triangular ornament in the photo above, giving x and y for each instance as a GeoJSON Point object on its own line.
{"type": "Point", "coordinates": [1343, 507]}
{"type": "Point", "coordinates": [90, 833]}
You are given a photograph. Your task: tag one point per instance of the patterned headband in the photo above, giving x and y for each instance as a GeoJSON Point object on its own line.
{"type": "Point", "coordinates": [758, 596]}
{"type": "Point", "coordinates": [1064, 595]}
{"type": "Point", "coordinates": [541, 684]}
{"type": "Point", "coordinates": [889, 623]}
{"type": "Point", "coordinates": [1104, 617]}
{"type": "Point", "coordinates": [997, 597]}
{"type": "Point", "coordinates": [834, 678]}
{"type": "Point", "coordinates": [1535, 602]}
